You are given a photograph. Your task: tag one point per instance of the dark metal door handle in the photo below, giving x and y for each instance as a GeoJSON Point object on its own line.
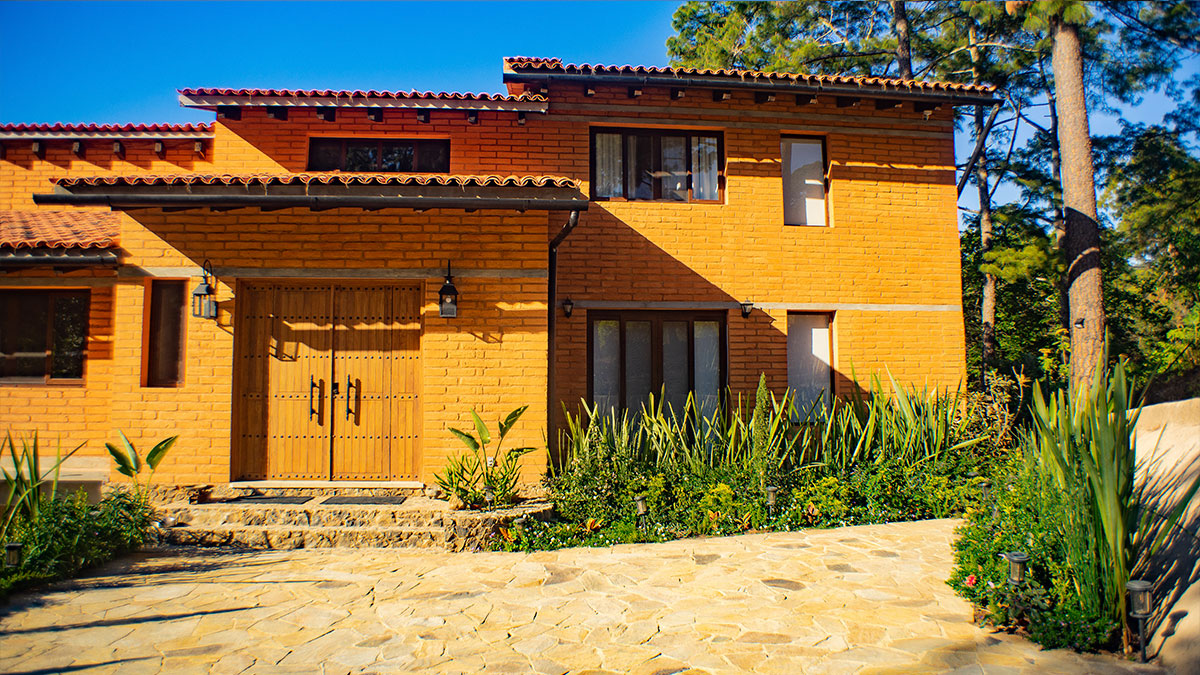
{"type": "Point", "coordinates": [312, 384]}
{"type": "Point", "coordinates": [348, 386]}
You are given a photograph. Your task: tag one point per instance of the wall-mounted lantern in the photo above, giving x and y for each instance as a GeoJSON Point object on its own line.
{"type": "Point", "coordinates": [568, 306]}
{"type": "Point", "coordinates": [747, 307]}
{"type": "Point", "coordinates": [448, 297]}
{"type": "Point", "coordinates": [204, 298]}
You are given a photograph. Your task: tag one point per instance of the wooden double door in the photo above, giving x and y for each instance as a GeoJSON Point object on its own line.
{"type": "Point", "coordinates": [327, 381]}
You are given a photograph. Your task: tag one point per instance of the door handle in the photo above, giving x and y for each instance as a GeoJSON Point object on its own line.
{"type": "Point", "coordinates": [349, 385]}
{"type": "Point", "coordinates": [312, 384]}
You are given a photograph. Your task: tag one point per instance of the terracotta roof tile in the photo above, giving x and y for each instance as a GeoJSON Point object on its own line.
{"type": "Point", "coordinates": [536, 65]}
{"type": "Point", "coordinates": [358, 93]}
{"type": "Point", "coordinates": [59, 229]}
{"type": "Point", "coordinates": [325, 178]}
{"type": "Point", "coordinates": [59, 127]}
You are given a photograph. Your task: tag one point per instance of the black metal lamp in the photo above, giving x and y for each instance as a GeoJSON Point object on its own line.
{"type": "Point", "coordinates": [642, 511]}
{"type": "Point", "coordinates": [1017, 562]}
{"type": "Point", "coordinates": [204, 298]}
{"type": "Point", "coordinates": [568, 306]}
{"type": "Point", "coordinates": [448, 297]}
{"type": "Point", "coordinates": [12, 553]}
{"type": "Point", "coordinates": [1140, 609]}
{"type": "Point", "coordinates": [771, 492]}
{"type": "Point", "coordinates": [747, 307]}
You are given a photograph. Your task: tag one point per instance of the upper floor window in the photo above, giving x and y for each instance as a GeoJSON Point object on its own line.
{"type": "Point", "coordinates": [43, 335]}
{"type": "Point", "coordinates": [803, 181]}
{"type": "Point", "coordinates": [377, 154]}
{"type": "Point", "coordinates": [657, 164]}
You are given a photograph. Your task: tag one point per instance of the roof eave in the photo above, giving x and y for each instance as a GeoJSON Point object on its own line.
{"type": "Point", "coordinates": [711, 82]}
{"type": "Point", "coordinates": [211, 102]}
{"type": "Point", "coordinates": [102, 135]}
{"type": "Point", "coordinates": [58, 257]}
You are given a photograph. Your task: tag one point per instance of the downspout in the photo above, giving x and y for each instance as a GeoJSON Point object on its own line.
{"type": "Point", "coordinates": [551, 322]}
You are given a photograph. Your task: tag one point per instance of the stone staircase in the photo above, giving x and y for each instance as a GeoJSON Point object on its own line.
{"type": "Point", "coordinates": [275, 519]}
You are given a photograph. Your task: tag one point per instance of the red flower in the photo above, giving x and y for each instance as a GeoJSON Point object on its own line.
{"type": "Point", "coordinates": [970, 582]}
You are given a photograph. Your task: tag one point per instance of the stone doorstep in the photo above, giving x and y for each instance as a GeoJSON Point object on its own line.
{"type": "Point", "coordinates": [276, 537]}
{"type": "Point", "coordinates": [414, 511]}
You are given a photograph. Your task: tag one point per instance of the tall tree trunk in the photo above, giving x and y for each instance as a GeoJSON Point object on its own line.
{"type": "Point", "coordinates": [903, 47]}
{"type": "Point", "coordinates": [1060, 223]}
{"type": "Point", "coordinates": [1084, 288]}
{"type": "Point", "coordinates": [988, 302]}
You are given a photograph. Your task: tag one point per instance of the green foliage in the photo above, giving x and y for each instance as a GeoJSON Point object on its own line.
{"type": "Point", "coordinates": [68, 535]}
{"type": "Point", "coordinates": [468, 476]}
{"type": "Point", "coordinates": [25, 485]}
{"type": "Point", "coordinates": [129, 463]}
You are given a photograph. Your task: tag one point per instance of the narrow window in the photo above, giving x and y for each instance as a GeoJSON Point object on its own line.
{"type": "Point", "coordinates": [668, 354]}
{"type": "Point", "coordinates": [382, 155]}
{"type": "Point", "coordinates": [809, 358]}
{"type": "Point", "coordinates": [165, 333]}
{"type": "Point", "coordinates": [803, 181]}
{"type": "Point", "coordinates": [43, 335]}
{"type": "Point", "coordinates": [656, 165]}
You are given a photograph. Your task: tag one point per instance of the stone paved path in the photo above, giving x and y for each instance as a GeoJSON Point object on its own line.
{"type": "Point", "coordinates": [862, 599]}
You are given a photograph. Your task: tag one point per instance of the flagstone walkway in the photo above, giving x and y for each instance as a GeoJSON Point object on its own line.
{"type": "Point", "coordinates": [863, 599]}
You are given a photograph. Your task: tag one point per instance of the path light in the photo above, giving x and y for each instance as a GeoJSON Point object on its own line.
{"type": "Point", "coordinates": [771, 490]}
{"type": "Point", "coordinates": [12, 553]}
{"type": "Point", "coordinates": [1016, 567]}
{"type": "Point", "coordinates": [489, 495]}
{"type": "Point", "coordinates": [640, 502]}
{"type": "Point", "coordinates": [1140, 609]}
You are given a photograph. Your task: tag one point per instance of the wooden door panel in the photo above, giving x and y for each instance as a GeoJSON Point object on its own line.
{"type": "Point", "coordinates": [253, 326]}
{"type": "Point", "coordinates": [298, 366]}
{"type": "Point", "coordinates": [406, 383]}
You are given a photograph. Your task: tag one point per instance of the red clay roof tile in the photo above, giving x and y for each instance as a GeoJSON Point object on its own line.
{"type": "Point", "coordinates": [59, 127]}
{"type": "Point", "coordinates": [325, 178]}
{"type": "Point", "coordinates": [358, 93]}
{"type": "Point", "coordinates": [59, 229]}
{"type": "Point", "coordinates": [535, 65]}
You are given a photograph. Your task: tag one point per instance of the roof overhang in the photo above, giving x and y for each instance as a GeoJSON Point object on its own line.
{"type": "Point", "coordinates": [56, 257]}
{"type": "Point", "coordinates": [213, 101]}
{"type": "Point", "coordinates": [756, 84]}
{"type": "Point", "coordinates": [40, 135]}
{"type": "Point", "coordinates": [317, 196]}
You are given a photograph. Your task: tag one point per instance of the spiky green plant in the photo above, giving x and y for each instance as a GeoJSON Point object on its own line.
{"type": "Point", "coordinates": [25, 484]}
{"type": "Point", "coordinates": [468, 476]}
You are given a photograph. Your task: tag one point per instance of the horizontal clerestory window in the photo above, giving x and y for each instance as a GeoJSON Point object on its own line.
{"type": "Point", "coordinates": [657, 165]}
{"type": "Point", "coordinates": [378, 154]}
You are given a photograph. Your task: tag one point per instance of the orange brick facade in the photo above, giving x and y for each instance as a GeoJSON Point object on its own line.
{"type": "Point", "coordinates": [886, 266]}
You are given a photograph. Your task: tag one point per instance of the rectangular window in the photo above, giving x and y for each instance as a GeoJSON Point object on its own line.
{"type": "Point", "coordinates": [669, 354]}
{"type": "Point", "coordinates": [165, 333]}
{"type": "Point", "coordinates": [809, 354]}
{"type": "Point", "coordinates": [803, 181]}
{"type": "Point", "coordinates": [656, 165]}
{"type": "Point", "coordinates": [43, 335]}
{"type": "Point", "coordinates": [379, 155]}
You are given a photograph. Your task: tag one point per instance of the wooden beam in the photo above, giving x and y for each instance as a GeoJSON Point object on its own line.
{"type": "Point", "coordinates": [589, 91]}
{"type": "Point", "coordinates": [848, 101]}
{"type": "Point", "coordinates": [277, 112]}
{"type": "Point", "coordinates": [327, 114]}
{"type": "Point", "coordinates": [722, 95]}
{"type": "Point", "coordinates": [887, 104]}
{"type": "Point", "coordinates": [521, 118]}
{"type": "Point", "coordinates": [423, 116]}
{"type": "Point", "coordinates": [635, 92]}
{"type": "Point", "coordinates": [926, 106]}
{"type": "Point", "coordinates": [806, 99]}
{"type": "Point", "coordinates": [119, 149]}
{"type": "Point", "coordinates": [160, 149]}
{"type": "Point", "coordinates": [79, 148]}
{"type": "Point", "coordinates": [676, 93]}
{"type": "Point", "coordinates": [472, 117]}
{"type": "Point", "coordinates": [198, 148]}
{"type": "Point", "coordinates": [375, 114]}
{"type": "Point", "coordinates": [39, 149]}
{"type": "Point", "coordinates": [229, 112]}
{"type": "Point", "coordinates": [764, 97]}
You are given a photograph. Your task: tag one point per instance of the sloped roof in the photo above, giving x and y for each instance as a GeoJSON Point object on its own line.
{"type": "Point", "coordinates": [60, 130]}
{"type": "Point", "coordinates": [326, 179]}
{"type": "Point", "coordinates": [59, 229]}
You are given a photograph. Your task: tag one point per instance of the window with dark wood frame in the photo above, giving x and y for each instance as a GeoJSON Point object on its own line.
{"type": "Point", "coordinates": [43, 335]}
{"type": "Point", "coordinates": [672, 165]}
{"type": "Point", "coordinates": [383, 155]}
{"type": "Point", "coordinates": [634, 353]}
{"type": "Point", "coordinates": [165, 333]}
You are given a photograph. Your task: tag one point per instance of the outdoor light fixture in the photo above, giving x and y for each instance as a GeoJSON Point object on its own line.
{"type": "Point", "coordinates": [642, 511]}
{"type": "Point", "coordinates": [1016, 567]}
{"type": "Point", "coordinates": [448, 297]}
{"type": "Point", "coordinates": [1139, 608]}
{"type": "Point", "coordinates": [12, 554]}
{"type": "Point", "coordinates": [568, 306]}
{"type": "Point", "coordinates": [204, 298]}
{"type": "Point", "coordinates": [771, 490]}
{"type": "Point", "coordinates": [747, 307]}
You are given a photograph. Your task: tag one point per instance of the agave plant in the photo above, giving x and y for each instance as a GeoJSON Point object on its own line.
{"type": "Point", "coordinates": [25, 484]}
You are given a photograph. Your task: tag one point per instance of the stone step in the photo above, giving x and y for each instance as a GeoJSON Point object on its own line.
{"type": "Point", "coordinates": [305, 515]}
{"type": "Point", "coordinates": [277, 537]}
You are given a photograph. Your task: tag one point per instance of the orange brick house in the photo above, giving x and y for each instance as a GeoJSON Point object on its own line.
{"type": "Point", "coordinates": [272, 286]}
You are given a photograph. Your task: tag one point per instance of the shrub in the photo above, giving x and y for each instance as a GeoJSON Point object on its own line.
{"type": "Point", "coordinates": [468, 476]}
